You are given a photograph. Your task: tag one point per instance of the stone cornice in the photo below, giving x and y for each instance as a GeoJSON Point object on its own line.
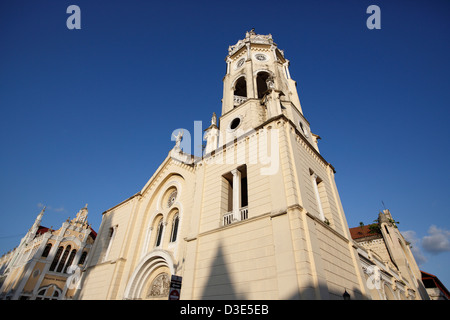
{"type": "Point", "coordinates": [262, 125]}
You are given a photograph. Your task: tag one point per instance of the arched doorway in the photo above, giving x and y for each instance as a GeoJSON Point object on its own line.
{"type": "Point", "coordinates": [151, 278]}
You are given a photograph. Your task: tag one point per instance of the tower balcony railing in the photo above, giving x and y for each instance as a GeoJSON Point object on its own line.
{"type": "Point", "coordinates": [228, 217]}
{"type": "Point", "coordinates": [239, 100]}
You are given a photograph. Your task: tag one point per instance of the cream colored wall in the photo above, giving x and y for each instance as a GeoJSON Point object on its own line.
{"type": "Point", "coordinates": [236, 262]}
{"type": "Point", "coordinates": [134, 239]}
{"type": "Point", "coordinates": [13, 279]}
{"type": "Point", "coordinates": [324, 251]}
{"type": "Point", "coordinates": [99, 276]}
{"type": "Point", "coordinates": [339, 267]}
{"type": "Point", "coordinates": [306, 160]}
{"type": "Point", "coordinates": [319, 252]}
{"type": "Point", "coordinates": [241, 260]}
{"type": "Point", "coordinates": [251, 115]}
{"type": "Point", "coordinates": [378, 246]}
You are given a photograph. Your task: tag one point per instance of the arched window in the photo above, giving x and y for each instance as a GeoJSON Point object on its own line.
{"type": "Point", "coordinates": [108, 242]}
{"type": "Point", "coordinates": [388, 292]}
{"type": "Point", "coordinates": [82, 258]}
{"type": "Point", "coordinates": [240, 91]}
{"type": "Point", "coordinates": [56, 258]}
{"type": "Point", "coordinates": [41, 294]}
{"type": "Point", "coordinates": [175, 222]}
{"type": "Point", "coordinates": [69, 262]}
{"type": "Point", "coordinates": [63, 259]}
{"type": "Point", "coordinates": [261, 83]}
{"type": "Point", "coordinates": [240, 87]}
{"type": "Point", "coordinates": [47, 249]}
{"type": "Point", "coordinates": [159, 233]}
{"type": "Point", "coordinates": [321, 195]}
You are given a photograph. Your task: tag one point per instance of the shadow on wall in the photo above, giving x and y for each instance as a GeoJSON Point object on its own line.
{"type": "Point", "coordinates": [220, 286]}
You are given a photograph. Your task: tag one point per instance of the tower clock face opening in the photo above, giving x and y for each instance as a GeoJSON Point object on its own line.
{"type": "Point", "coordinates": [240, 63]}
{"type": "Point", "coordinates": [261, 57]}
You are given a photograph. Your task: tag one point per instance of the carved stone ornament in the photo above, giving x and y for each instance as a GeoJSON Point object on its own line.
{"type": "Point", "coordinates": [172, 198]}
{"type": "Point", "coordinates": [270, 83]}
{"type": "Point", "coordinates": [159, 287]}
{"type": "Point", "coordinates": [253, 38]}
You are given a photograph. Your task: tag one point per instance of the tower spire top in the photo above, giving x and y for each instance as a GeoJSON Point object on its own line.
{"type": "Point", "coordinates": [81, 216]}
{"type": "Point", "coordinates": [251, 37]}
{"type": "Point", "coordinates": [37, 222]}
{"type": "Point", "coordinates": [39, 217]}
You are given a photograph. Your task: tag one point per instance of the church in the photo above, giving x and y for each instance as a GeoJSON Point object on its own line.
{"type": "Point", "coordinates": [42, 266]}
{"type": "Point", "coordinates": [257, 216]}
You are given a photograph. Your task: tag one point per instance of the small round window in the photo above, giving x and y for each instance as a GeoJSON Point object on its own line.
{"type": "Point", "coordinates": [235, 123]}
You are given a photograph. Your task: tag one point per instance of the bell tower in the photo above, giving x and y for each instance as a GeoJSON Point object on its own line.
{"type": "Point", "coordinates": [257, 87]}
{"type": "Point", "coordinates": [258, 215]}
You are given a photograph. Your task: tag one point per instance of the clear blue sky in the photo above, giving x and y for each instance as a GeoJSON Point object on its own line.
{"type": "Point", "coordinates": [87, 115]}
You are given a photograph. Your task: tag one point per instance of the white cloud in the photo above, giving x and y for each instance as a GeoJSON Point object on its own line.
{"type": "Point", "coordinates": [411, 237]}
{"type": "Point", "coordinates": [50, 208]}
{"type": "Point", "coordinates": [437, 241]}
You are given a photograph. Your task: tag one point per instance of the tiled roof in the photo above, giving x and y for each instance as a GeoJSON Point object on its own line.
{"type": "Point", "coordinates": [361, 232]}
{"type": "Point", "coordinates": [41, 230]}
{"type": "Point", "coordinates": [93, 233]}
{"type": "Point", "coordinates": [437, 282]}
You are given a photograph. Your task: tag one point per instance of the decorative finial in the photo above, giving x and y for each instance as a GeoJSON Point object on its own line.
{"type": "Point", "coordinates": [250, 33]}
{"type": "Point", "coordinates": [214, 119]}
